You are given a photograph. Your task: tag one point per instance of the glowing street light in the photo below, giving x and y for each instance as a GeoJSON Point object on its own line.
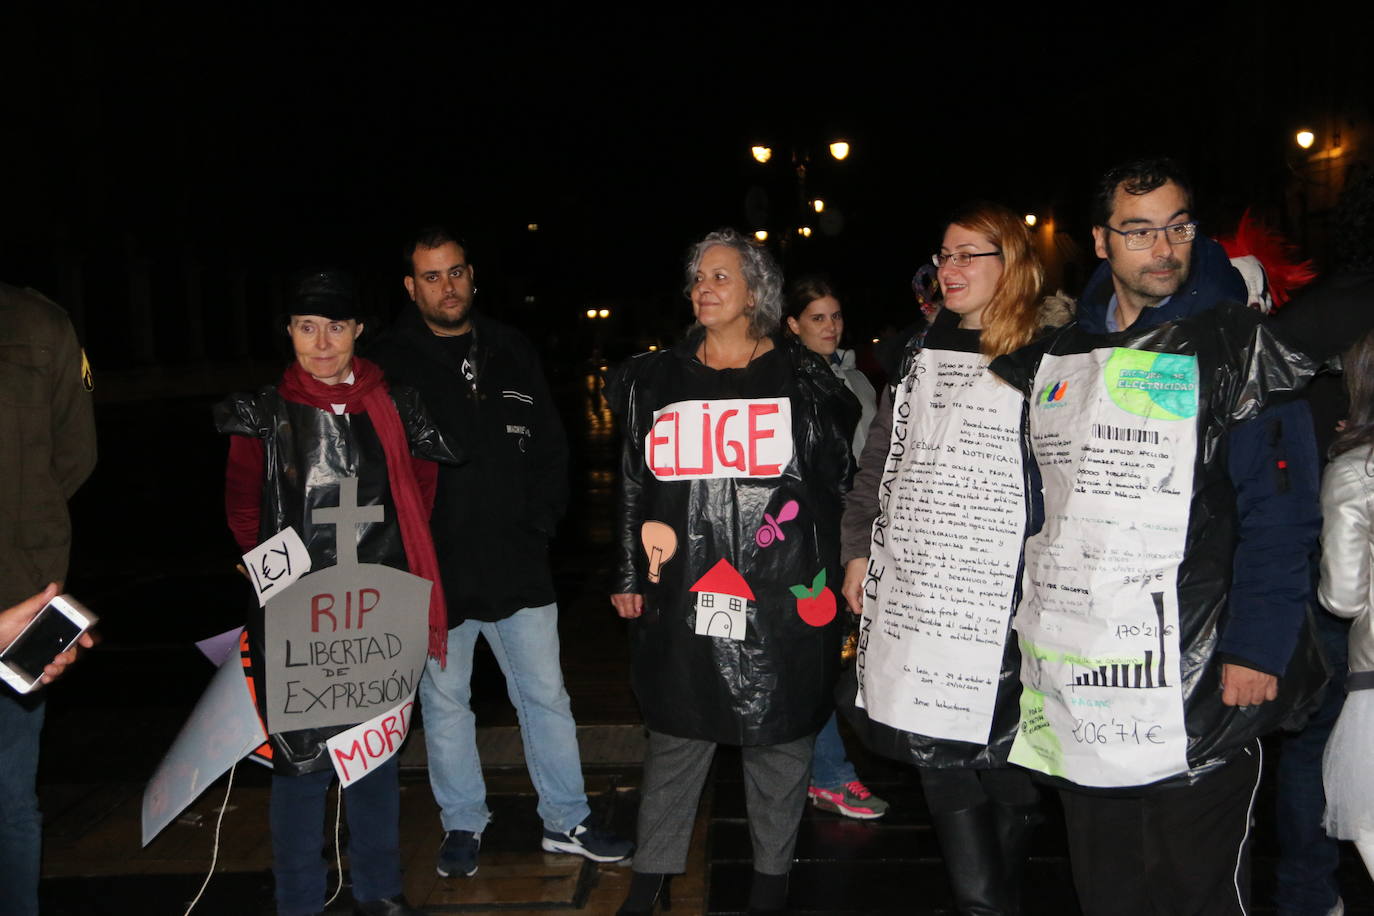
{"type": "Point", "coordinates": [531, 227]}
{"type": "Point", "coordinates": [1030, 219]}
{"type": "Point", "coordinates": [603, 313]}
{"type": "Point", "coordinates": [591, 313]}
{"type": "Point", "coordinates": [818, 205]}
{"type": "Point", "coordinates": [1305, 138]}
{"type": "Point", "coordinates": [804, 231]}
{"type": "Point", "coordinates": [760, 235]}
{"type": "Point", "coordinates": [762, 153]}
{"type": "Point", "coordinates": [839, 149]}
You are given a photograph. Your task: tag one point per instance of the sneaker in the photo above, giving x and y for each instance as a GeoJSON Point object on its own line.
{"type": "Point", "coordinates": [851, 799]}
{"type": "Point", "coordinates": [458, 854]}
{"type": "Point", "coordinates": [586, 841]}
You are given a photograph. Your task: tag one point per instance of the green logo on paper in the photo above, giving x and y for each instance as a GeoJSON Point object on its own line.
{"type": "Point", "coordinates": [1162, 386]}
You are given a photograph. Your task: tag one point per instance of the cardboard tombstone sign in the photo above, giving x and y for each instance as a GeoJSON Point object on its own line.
{"type": "Point", "coordinates": [348, 642]}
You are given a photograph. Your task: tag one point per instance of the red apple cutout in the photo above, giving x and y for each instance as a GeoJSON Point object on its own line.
{"type": "Point", "coordinates": [815, 605]}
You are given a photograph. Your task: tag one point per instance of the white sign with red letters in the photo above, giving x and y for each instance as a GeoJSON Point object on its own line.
{"type": "Point", "coordinates": [731, 437]}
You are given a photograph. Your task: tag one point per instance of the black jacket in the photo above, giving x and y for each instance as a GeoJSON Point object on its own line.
{"type": "Point", "coordinates": [494, 515]}
{"type": "Point", "coordinates": [773, 685]}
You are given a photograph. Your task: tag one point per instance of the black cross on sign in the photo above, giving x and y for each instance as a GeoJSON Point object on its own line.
{"type": "Point", "coordinates": [348, 515]}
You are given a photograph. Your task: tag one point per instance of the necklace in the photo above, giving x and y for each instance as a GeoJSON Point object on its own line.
{"type": "Point", "coordinates": [706, 361]}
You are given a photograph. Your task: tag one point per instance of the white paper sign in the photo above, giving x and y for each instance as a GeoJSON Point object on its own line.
{"type": "Point", "coordinates": [731, 437]}
{"type": "Point", "coordinates": [946, 545]}
{"type": "Point", "coordinates": [275, 563]}
{"type": "Point", "coordinates": [1114, 432]}
{"type": "Point", "coordinates": [223, 728]}
{"type": "Point", "coordinates": [357, 751]}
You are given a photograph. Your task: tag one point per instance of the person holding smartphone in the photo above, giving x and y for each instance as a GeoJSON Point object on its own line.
{"type": "Point", "coordinates": [47, 450]}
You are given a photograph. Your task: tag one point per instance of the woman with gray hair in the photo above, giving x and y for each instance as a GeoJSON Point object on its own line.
{"type": "Point", "coordinates": [736, 451]}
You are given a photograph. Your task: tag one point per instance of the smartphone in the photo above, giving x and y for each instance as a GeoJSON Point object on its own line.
{"type": "Point", "coordinates": [50, 633]}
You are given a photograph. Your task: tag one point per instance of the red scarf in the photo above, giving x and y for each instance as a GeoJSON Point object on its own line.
{"type": "Point", "coordinates": [368, 394]}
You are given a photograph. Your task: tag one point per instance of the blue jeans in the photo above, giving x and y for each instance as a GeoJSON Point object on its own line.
{"type": "Point", "coordinates": [526, 648]}
{"type": "Point", "coordinates": [21, 826]}
{"type": "Point", "coordinates": [1308, 858]}
{"type": "Point", "coordinates": [830, 767]}
{"type": "Point", "coordinates": [373, 806]}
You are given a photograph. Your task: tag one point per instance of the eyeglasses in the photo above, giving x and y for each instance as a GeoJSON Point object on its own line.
{"type": "Point", "coordinates": [1138, 239]}
{"type": "Point", "coordinates": [960, 258]}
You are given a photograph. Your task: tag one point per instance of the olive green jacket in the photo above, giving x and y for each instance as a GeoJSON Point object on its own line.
{"type": "Point", "coordinates": [47, 440]}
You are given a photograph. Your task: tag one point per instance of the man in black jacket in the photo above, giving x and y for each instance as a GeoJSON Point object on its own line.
{"type": "Point", "coordinates": [492, 520]}
{"type": "Point", "coordinates": [1166, 594]}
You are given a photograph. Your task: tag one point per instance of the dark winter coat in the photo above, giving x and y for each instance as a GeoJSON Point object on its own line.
{"type": "Point", "coordinates": [47, 440]}
{"type": "Point", "coordinates": [494, 515]}
{"type": "Point", "coordinates": [775, 684]}
{"type": "Point", "coordinates": [1272, 463]}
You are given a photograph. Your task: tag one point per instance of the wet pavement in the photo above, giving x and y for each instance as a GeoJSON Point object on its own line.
{"type": "Point", "coordinates": [154, 560]}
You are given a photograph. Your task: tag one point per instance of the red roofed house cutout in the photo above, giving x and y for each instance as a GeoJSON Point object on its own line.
{"type": "Point", "coordinates": [722, 598]}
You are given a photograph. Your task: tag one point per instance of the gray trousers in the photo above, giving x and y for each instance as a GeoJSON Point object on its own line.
{"type": "Point", "coordinates": [775, 780]}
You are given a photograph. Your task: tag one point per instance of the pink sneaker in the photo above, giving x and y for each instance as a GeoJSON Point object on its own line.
{"type": "Point", "coordinates": [851, 800]}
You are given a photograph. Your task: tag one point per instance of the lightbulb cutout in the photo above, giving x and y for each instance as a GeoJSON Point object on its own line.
{"type": "Point", "coordinates": [660, 543]}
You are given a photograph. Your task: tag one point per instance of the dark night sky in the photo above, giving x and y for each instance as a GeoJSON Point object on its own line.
{"type": "Point", "coordinates": [314, 133]}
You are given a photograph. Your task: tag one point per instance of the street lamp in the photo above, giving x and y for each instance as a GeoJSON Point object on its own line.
{"type": "Point", "coordinates": [603, 313]}
{"type": "Point", "coordinates": [808, 209]}
{"type": "Point", "coordinates": [591, 313]}
{"type": "Point", "coordinates": [1305, 138]}
{"type": "Point", "coordinates": [1030, 219]}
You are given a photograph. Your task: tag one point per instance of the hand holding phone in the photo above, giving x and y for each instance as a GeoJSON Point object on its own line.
{"type": "Point", "coordinates": [39, 636]}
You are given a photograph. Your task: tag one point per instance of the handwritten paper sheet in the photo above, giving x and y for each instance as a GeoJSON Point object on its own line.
{"type": "Point", "coordinates": [1114, 434]}
{"type": "Point", "coordinates": [946, 544]}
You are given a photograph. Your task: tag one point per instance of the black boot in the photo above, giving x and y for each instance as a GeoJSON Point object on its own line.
{"type": "Point", "coordinates": [767, 894]}
{"type": "Point", "coordinates": [1015, 826]}
{"type": "Point", "coordinates": [973, 860]}
{"type": "Point", "coordinates": [649, 891]}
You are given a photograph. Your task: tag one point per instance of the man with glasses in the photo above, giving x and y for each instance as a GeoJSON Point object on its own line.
{"type": "Point", "coordinates": [492, 521]}
{"type": "Point", "coordinates": [1164, 598]}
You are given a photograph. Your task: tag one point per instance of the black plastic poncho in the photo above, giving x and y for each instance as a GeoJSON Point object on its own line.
{"type": "Point", "coordinates": [1240, 366]}
{"type": "Point", "coordinates": [728, 525]}
{"type": "Point", "coordinates": [307, 452]}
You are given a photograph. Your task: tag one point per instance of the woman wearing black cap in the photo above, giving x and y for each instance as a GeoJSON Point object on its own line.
{"type": "Point", "coordinates": [332, 418]}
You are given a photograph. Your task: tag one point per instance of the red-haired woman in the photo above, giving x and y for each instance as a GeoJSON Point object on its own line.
{"type": "Point", "coordinates": [931, 542]}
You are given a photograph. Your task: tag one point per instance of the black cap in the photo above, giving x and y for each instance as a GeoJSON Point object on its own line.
{"type": "Point", "coordinates": [327, 293]}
